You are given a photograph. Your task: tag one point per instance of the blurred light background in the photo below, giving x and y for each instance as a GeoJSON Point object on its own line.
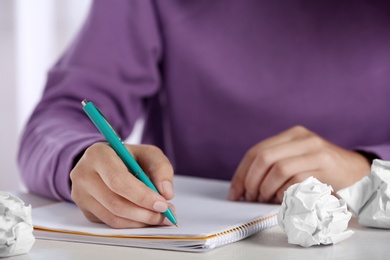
{"type": "Point", "coordinates": [33, 34]}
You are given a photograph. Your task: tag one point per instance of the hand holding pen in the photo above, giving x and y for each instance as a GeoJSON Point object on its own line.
{"type": "Point", "coordinates": [105, 191]}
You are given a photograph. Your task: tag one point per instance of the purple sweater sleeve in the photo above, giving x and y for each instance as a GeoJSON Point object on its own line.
{"type": "Point", "coordinates": [113, 60]}
{"type": "Point", "coordinates": [381, 151]}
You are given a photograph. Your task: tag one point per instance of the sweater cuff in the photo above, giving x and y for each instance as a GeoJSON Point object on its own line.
{"type": "Point", "coordinates": [378, 151]}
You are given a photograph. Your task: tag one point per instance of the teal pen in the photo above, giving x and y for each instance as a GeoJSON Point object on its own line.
{"type": "Point", "coordinates": [116, 143]}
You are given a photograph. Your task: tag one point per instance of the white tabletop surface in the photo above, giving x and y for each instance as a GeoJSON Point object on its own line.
{"type": "Point", "coordinates": [366, 243]}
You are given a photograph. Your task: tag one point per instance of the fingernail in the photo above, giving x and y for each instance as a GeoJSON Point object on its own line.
{"type": "Point", "coordinates": [232, 194]}
{"type": "Point", "coordinates": [167, 188]}
{"type": "Point", "coordinates": [160, 206]}
{"type": "Point", "coordinates": [167, 222]}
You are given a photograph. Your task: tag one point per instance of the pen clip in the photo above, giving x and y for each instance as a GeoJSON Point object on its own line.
{"type": "Point", "coordinates": [105, 119]}
{"type": "Point", "coordinates": [108, 123]}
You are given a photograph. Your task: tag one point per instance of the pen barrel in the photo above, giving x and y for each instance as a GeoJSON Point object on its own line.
{"type": "Point", "coordinates": [118, 146]}
{"type": "Point", "coordinates": [112, 138]}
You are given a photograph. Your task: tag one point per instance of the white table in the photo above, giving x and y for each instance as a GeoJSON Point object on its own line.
{"type": "Point", "coordinates": [366, 243]}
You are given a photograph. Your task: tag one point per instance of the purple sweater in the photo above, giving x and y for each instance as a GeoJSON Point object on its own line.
{"type": "Point", "coordinates": [212, 78]}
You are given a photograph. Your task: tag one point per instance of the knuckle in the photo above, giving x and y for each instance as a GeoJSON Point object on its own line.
{"type": "Point", "coordinates": [316, 141]}
{"type": "Point", "coordinates": [281, 169]}
{"type": "Point", "coordinates": [114, 182]}
{"type": "Point", "coordinates": [76, 175]}
{"type": "Point", "coordinates": [115, 207]}
{"type": "Point", "coordinates": [92, 150]}
{"type": "Point", "coordinates": [264, 157]}
{"type": "Point", "coordinates": [299, 129]}
{"type": "Point", "coordinates": [151, 149]}
{"type": "Point", "coordinates": [96, 150]}
{"type": "Point", "coordinates": [251, 153]}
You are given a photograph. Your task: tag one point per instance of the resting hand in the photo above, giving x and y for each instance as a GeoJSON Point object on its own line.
{"type": "Point", "coordinates": [274, 164]}
{"type": "Point", "coordinates": [105, 191]}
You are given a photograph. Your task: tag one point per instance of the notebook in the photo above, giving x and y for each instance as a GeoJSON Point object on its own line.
{"type": "Point", "coordinates": [206, 220]}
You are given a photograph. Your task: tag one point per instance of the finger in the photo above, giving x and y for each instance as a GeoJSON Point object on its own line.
{"type": "Point", "coordinates": [282, 171]}
{"type": "Point", "coordinates": [265, 159]}
{"type": "Point", "coordinates": [242, 184]}
{"type": "Point", "coordinates": [298, 178]}
{"type": "Point", "coordinates": [93, 218]}
{"type": "Point", "coordinates": [121, 207]}
{"type": "Point", "coordinates": [237, 186]}
{"type": "Point", "coordinates": [157, 166]}
{"type": "Point", "coordinates": [95, 212]}
{"type": "Point", "coordinates": [118, 179]}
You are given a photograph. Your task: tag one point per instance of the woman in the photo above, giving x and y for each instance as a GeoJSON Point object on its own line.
{"type": "Point", "coordinates": [266, 93]}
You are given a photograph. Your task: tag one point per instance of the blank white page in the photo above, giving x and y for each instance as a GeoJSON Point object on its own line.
{"type": "Point", "coordinates": [202, 209]}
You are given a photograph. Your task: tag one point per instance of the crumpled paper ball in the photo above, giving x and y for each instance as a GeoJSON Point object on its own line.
{"type": "Point", "coordinates": [16, 229]}
{"type": "Point", "coordinates": [369, 198]}
{"type": "Point", "coordinates": [310, 215]}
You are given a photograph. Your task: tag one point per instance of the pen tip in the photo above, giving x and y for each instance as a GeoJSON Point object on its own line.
{"type": "Point", "coordinates": [176, 225]}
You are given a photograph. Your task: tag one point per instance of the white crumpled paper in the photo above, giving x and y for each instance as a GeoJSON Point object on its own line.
{"type": "Point", "coordinates": [369, 198]}
{"type": "Point", "coordinates": [16, 230]}
{"type": "Point", "coordinates": [310, 215]}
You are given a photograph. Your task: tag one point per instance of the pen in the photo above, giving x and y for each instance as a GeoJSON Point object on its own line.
{"type": "Point", "coordinates": [117, 144]}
